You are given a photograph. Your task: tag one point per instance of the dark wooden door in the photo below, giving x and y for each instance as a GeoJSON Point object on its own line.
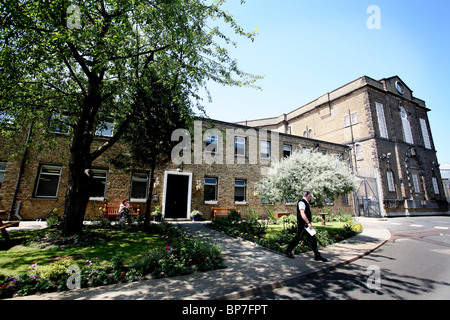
{"type": "Point", "coordinates": [177, 195]}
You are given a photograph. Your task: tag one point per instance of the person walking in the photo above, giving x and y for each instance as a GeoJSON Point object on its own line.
{"type": "Point", "coordinates": [303, 221]}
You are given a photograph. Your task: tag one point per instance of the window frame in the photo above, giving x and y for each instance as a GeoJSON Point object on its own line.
{"type": "Point", "coordinates": [2, 172]}
{"type": "Point", "coordinates": [236, 142]}
{"type": "Point", "coordinates": [99, 170]}
{"type": "Point", "coordinates": [141, 180]}
{"type": "Point", "coordinates": [425, 134]}
{"type": "Point", "coordinates": [434, 182]}
{"type": "Point", "coordinates": [289, 146]}
{"type": "Point", "coordinates": [406, 126]}
{"type": "Point", "coordinates": [244, 186]}
{"type": "Point", "coordinates": [381, 120]}
{"type": "Point", "coordinates": [390, 181]}
{"type": "Point", "coordinates": [40, 178]}
{"type": "Point", "coordinates": [267, 147]}
{"type": "Point", "coordinates": [416, 185]}
{"type": "Point", "coordinates": [216, 189]}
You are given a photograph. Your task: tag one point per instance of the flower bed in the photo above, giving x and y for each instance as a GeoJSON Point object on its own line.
{"type": "Point", "coordinates": [276, 236]}
{"type": "Point", "coordinates": [173, 253]}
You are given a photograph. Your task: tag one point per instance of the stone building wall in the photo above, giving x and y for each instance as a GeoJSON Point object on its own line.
{"type": "Point", "coordinates": [118, 183]}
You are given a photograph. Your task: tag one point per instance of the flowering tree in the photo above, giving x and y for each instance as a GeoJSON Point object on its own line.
{"type": "Point", "coordinates": [324, 175]}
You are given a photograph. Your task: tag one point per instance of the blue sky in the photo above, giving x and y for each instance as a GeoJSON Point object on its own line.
{"type": "Point", "coordinates": [307, 48]}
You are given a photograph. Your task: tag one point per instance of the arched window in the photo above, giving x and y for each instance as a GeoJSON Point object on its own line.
{"type": "Point", "coordinates": [406, 126]}
{"type": "Point", "coordinates": [308, 133]}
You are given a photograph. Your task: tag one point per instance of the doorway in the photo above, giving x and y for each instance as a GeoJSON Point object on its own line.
{"type": "Point", "coordinates": [177, 195]}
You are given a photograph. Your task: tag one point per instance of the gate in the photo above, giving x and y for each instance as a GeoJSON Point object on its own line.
{"type": "Point", "coordinates": [367, 198]}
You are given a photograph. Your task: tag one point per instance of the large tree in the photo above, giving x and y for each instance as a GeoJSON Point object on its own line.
{"type": "Point", "coordinates": [80, 63]}
{"type": "Point", "coordinates": [326, 176]}
{"type": "Point", "coordinates": [158, 111]}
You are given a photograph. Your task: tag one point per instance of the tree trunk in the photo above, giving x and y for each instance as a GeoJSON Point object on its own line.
{"type": "Point", "coordinates": [77, 197]}
{"type": "Point", "coordinates": [77, 194]}
{"type": "Point", "coordinates": [150, 195]}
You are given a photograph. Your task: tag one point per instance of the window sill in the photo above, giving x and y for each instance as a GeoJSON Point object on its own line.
{"type": "Point", "coordinates": [244, 203]}
{"type": "Point", "coordinates": [211, 202]}
{"type": "Point", "coordinates": [97, 199]}
{"type": "Point", "coordinates": [44, 198]}
{"type": "Point", "coordinates": [138, 200]}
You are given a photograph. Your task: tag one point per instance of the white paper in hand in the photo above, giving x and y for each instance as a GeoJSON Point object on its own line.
{"type": "Point", "coordinates": [311, 231]}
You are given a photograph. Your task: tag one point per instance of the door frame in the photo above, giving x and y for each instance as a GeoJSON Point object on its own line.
{"type": "Point", "coordinates": [189, 199]}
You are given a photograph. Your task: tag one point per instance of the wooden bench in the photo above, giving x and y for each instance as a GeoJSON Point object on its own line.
{"type": "Point", "coordinates": [281, 214]}
{"type": "Point", "coordinates": [3, 226]}
{"type": "Point", "coordinates": [221, 212]}
{"type": "Point", "coordinates": [110, 211]}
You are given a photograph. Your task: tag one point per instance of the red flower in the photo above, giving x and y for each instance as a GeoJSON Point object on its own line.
{"type": "Point", "coordinates": [3, 286]}
{"type": "Point", "coordinates": [123, 274]}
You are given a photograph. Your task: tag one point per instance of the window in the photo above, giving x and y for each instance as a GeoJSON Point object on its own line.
{"type": "Point", "coordinates": [239, 146]}
{"type": "Point", "coordinates": [435, 185]}
{"type": "Point", "coordinates": [426, 136]}
{"type": "Point", "coordinates": [264, 149]}
{"type": "Point", "coordinates": [212, 144]}
{"type": "Point", "coordinates": [350, 119]}
{"type": "Point", "coordinates": [240, 187]}
{"type": "Point", "coordinates": [390, 180]}
{"type": "Point", "coordinates": [48, 181]}
{"type": "Point", "coordinates": [416, 183]}
{"type": "Point", "coordinates": [98, 186]}
{"type": "Point", "coordinates": [58, 123]}
{"type": "Point", "coordinates": [399, 87]}
{"type": "Point", "coordinates": [381, 120]}
{"type": "Point", "coordinates": [344, 199]}
{"type": "Point", "coordinates": [287, 151]}
{"type": "Point", "coordinates": [210, 190]}
{"type": "Point", "coordinates": [139, 185]}
{"type": "Point", "coordinates": [6, 119]}
{"type": "Point", "coordinates": [105, 130]}
{"type": "Point", "coordinates": [2, 172]}
{"type": "Point", "coordinates": [406, 126]}
{"type": "Point", "coordinates": [308, 133]}
{"type": "Point", "coordinates": [358, 151]}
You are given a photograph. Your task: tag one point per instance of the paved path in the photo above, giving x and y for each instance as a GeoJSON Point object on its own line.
{"type": "Point", "coordinates": [251, 269]}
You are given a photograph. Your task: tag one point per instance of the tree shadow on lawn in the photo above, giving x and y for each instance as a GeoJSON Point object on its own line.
{"type": "Point", "coordinates": [18, 255]}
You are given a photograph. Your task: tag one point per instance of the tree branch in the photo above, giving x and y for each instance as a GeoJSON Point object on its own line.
{"type": "Point", "coordinates": [79, 59]}
{"type": "Point", "coordinates": [108, 144]}
{"type": "Point", "coordinates": [139, 54]}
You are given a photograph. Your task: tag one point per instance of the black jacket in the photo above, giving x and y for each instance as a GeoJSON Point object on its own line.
{"type": "Point", "coordinates": [300, 221]}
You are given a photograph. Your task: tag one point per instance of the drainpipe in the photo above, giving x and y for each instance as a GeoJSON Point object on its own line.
{"type": "Point", "coordinates": [22, 166]}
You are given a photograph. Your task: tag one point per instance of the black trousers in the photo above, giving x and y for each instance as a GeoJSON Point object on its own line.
{"type": "Point", "coordinates": [300, 233]}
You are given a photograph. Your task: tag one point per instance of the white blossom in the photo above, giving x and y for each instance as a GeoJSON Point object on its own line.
{"type": "Point", "coordinates": [324, 175]}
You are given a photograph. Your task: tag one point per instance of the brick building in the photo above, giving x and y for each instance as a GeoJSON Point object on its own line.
{"type": "Point", "coordinates": [388, 131]}
{"type": "Point", "coordinates": [221, 164]}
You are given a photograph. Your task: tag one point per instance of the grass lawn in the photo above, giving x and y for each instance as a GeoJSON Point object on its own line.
{"type": "Point", "coordinates": [107, 244]}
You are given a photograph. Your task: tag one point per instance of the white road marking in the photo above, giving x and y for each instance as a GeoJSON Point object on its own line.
{"type": "Point", "coordinates": [443, 228]}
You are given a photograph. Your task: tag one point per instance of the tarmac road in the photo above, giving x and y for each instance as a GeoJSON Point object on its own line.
{"type": "Point", "coordinates": [413, 264]}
